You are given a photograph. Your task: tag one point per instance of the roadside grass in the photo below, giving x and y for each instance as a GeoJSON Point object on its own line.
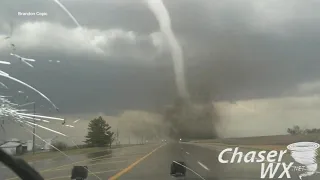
{"type": "Point", "coordinates": [279, 139]}
{"type": "Point", "coordinates": [265, 147]}
{"type": "Point", "coordinates": [274, 147]}
{"type": "Point", "coordinates": [259, 147]}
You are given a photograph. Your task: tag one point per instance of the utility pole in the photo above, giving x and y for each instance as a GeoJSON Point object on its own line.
{"type": "Point", "coordinates": [117, 135]}
{"type": "Point", "coordinates": [142, 139]}
{"type": "Point", "coordinates": [117, 141]}
{"type": "Point", "coordinates": [34, 128]}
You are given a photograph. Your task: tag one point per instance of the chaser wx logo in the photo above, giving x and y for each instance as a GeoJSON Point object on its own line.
{"type": "Point", "coordinates": [276, 162]}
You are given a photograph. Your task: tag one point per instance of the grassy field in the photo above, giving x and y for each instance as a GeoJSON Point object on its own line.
{"type": "Point", "coordinates": [263, 147]}
{"type": "Point", "coordinates": [265, 140]}
{"type": "Point", "coordinates": [278, 142]}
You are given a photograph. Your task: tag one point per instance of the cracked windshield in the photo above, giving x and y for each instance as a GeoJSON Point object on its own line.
{"type": "Point", "coordinates": [159, 89]}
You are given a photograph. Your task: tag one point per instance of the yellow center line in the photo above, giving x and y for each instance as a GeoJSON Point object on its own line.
{"type": "Point", "coordinates": [96, 158]}
{"type": "Point", "coordinates": [90, 165]}
{"type": "Point", "coordinates": [93, 159]}
{"type": "Point", "coordinates": [127, 169]}
{"type": "Point", "coordinates": [77, 162]}
{"type": "Point", "coordinates": [69, 153]}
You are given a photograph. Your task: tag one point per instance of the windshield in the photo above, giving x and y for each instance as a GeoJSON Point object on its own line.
{"type": "Point", "coordinates": [229, 89]}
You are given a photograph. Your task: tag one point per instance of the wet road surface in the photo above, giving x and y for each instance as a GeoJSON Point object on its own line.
{"type": "Point", "coordinates": [104, 163]}
{"type": "Point", "coordinates": [152, 162]}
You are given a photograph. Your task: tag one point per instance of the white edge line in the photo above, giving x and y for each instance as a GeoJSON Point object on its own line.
{"type": "Point", "coordinates": [204, 166]}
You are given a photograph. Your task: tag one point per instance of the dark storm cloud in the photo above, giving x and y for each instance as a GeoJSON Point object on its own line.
{"type": "Point", "coordinates": [233, 50]}
{"type": "Point", "coordinates": [129, 15]}
{"type": "Point", "coordinates": [84, 85]}
{"type": "Point", "coordinates": [268, 69]}
{"type": "Point", "coordinates": [244, 49]}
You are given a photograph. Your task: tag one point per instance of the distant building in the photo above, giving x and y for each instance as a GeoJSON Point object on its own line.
{"type": "Point", "coordinates": [13, 147]}
{"type": "Point", "coordinates": [29, 145]}
{"type": "Point", "coordinates": [24, 148]}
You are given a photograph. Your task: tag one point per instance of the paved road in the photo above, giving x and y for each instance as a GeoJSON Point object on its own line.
{"type": "Point", "coordinates": [153, 162]}
{"type": "Point", "coordinates": [104, 164]}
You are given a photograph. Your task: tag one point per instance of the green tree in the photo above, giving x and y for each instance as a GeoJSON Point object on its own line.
{"type": "Point", "coordinates": [99, 133]}
{"type": "Point", "coordinates": [295, 130]}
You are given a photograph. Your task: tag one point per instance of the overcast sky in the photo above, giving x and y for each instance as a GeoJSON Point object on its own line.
{"type": "Point", "coordinates": [234, 50]}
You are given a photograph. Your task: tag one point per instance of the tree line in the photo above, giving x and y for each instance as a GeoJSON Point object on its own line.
{"type": "Point", "coordinates": [295, 130]}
